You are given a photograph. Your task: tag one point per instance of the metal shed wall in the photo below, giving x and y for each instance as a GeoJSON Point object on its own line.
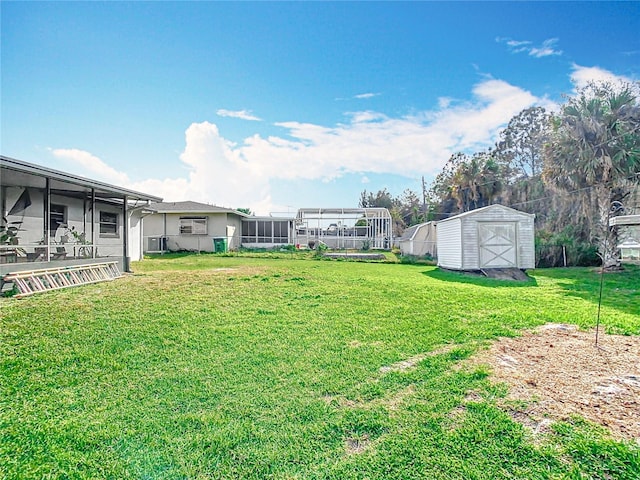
{"type": "Point", "coordinates": [449, 241]}
{"type": "Point", "coordinates": [421, 242]}
{"type": "Point", "coordinates": [466, 247]}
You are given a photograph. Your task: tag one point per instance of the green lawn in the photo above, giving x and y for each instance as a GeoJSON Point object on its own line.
{"type": "Point", "coordinates": [205, 366]}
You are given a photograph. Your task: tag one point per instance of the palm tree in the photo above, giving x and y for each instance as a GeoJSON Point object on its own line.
{"type": "Point", "coordinates": [594, 152]}
{"type": "Point", "coordinates": [476, 182]}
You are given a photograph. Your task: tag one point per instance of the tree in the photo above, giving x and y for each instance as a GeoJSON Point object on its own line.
{"type": "Point", "coordinates": [477, 181]}
{"type": "Point", "coordinates": [521, 144]}
{"type": "Point", "coordinates": [442, 188]}
{"type": "Point", "coordinates": [382, 199]}
{"type": "Point", "coordinates": [594, 152]}
{"type": "Point", "coordinates": [244, 210]}
{"type": "Point", "coordinates": [410, 207]}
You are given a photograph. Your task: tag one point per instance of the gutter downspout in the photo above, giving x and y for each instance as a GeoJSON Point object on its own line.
{"type": "Point", "coordinates": [125, 236]}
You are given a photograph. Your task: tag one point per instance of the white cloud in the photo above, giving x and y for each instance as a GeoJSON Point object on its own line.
{"type": "Point", "coordinates": [242, 114]}
{"type": "Point", "coordinates": [444, 102]}
{"type": "Point", "coordinates": [548, 47]}
{"type": "Point", "coordinates": [90, 165]}
{"type": "Point", "coordinates": [581, 76]}
{"type": "Point", "coordinates": [365, 179]}
{"type": "Point", "coordinates": [518, 43]}
{"type": "Point", "coordinates": [240, 175]}
{"type": "Point", "coordinates": [366, 95]}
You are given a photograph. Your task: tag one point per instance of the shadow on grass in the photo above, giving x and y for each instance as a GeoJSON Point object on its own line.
{"type": "Point", "coordinates": [620, 290]}
{"type": "Point", "coordinates": [476, 279]}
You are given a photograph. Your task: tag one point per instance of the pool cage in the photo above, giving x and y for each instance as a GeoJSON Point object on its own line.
{"type": "Point", "coordinates": [345, 228]}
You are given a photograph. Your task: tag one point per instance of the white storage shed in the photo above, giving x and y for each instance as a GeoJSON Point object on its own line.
{"type": "Point", "coordinates": [419, 240]}
{"type": "Point", "coordinates": [490, 237]}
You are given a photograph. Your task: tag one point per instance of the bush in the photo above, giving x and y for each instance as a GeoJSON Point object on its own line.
{"type": "Point", "coordinates": [552, 248]}
{"type": "Point", "coordinates": [417, 260]}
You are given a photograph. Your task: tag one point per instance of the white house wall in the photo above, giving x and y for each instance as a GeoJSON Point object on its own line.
{"type": "Point", "coordinates": [135, 236]}
{"type": "Point", "coordinates": [219, 225]}
{"type": "Point", "coordinates": [233, 232]}
{"type": "Point", "coordinates": [154, 225]}
{"type": "Point", "coordinates": [109, 245]}
{"type": "Point", "coordinates": [32, 227]}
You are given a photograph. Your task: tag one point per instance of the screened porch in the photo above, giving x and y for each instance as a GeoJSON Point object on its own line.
{"type": "Point", "coordinates": [52, 219]}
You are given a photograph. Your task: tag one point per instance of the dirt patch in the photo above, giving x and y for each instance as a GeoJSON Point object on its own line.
{"type": "Point", "coordinates": [558, 371]}
{"type": "Point", "coordinates": [357, 445]}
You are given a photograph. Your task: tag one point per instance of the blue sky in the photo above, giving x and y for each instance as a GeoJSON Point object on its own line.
{"type": "Point", "coordinates": [276, 106]}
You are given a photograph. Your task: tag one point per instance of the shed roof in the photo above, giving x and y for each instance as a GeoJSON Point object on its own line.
{"type": "Point", "coordinates": [192, 207]}
{"type": "Point", "coordinates": [495, 206]}
{"type": "Point", "coordinates": [411, 232]}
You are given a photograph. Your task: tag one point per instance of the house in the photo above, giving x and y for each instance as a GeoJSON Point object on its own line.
{"type": "Point", "coordinates": [56, 219]}
{"type": "Point", "coordinates": [419, 240]}
{"type": "Point", "coordinates": [490, 237]}
{"type": "Point", "coordinates": [200, 227]}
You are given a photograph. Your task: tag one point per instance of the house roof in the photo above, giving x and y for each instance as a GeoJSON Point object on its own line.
{"type": "Point", "coordinates": [24, 174]}
{"type": "Point", "coordinates": [495, 206]}
{"type": "Point", "coordinates": [192, 207]}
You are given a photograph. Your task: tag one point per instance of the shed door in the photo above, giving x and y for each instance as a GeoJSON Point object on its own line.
{"type": "Point", "coordinates": [497, 245]}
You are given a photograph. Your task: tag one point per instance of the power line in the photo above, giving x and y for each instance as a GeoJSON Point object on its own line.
{"type": "Point", "coordinates": [556, 193]}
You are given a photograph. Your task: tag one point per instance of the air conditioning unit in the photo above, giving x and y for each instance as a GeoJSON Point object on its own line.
{"type": "Point", "coordinates": [157, 244]}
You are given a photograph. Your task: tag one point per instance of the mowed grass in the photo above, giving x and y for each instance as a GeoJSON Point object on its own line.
{"type": "Point", "coordinates": [202, 366]}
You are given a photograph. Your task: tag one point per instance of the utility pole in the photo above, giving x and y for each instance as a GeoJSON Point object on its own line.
{"type": "Point", "coordinates": [424, 199]}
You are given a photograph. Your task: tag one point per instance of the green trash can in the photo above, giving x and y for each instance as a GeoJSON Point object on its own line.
{"type": "Point", "coordinates": [220, 245]}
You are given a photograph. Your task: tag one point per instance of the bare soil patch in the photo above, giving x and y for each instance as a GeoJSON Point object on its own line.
{"type": "Point", "coordinates": [558, 371]}
{"type": "Point", "coordinates": [357, 445]}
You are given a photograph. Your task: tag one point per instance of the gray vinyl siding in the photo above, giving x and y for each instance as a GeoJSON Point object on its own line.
{"type": "Point", "coordinates": [470, 250]}
{"type": "Point", "coordinates": [526, 243]}
{"type": "Point", "coordinates": [450, 244]}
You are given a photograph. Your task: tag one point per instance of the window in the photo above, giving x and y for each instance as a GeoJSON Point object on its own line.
{"type": "Point", "coordinates": [280, 232]}
{"type": "Point", "coordinates": [265, 231]}
{"type": "Point", "coordinates": [193, 225]}
{"type": "Point", "coordinates": [57, 217]}
{"type": "Point", "coordinates": [248, 231]}
{"type": "Point", "coordinates": [108, 224]}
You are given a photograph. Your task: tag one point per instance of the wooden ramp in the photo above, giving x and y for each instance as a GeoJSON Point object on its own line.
{"type": "Point", "coordinates": [505, 274]}
{"type": "Point", "coordinates": [46, 279]}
